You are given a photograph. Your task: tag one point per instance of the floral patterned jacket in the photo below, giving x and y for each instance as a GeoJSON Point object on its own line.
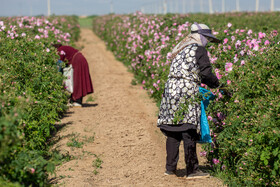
{"type": "Point", "coordinates": [188, 70]}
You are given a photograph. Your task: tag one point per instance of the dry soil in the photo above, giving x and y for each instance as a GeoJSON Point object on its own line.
{"type": "Point", "coordinates": [121, 144]}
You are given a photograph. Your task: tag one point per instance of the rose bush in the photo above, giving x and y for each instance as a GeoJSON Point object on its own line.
{"type": "Point", "coordinates": [32, 96]}
{"type": "Point", "coordinates": [244, 123]}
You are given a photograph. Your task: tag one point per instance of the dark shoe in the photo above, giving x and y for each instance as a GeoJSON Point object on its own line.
{"type": "Point", "coordinates": [169, 172]}
{"type": "Point", "coordinates": [198, 175]}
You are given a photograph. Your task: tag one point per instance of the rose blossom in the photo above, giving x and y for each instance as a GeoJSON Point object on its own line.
{"type": "Point", "coordinates": [225, 40]}
{"type": "Point", "coordinates": [266, 42]}
{"type": "Point", "coordinates": [215, 161]}
{"type": "Point", "coordinates": [32, 170]}
{"type": "Point", "coordinates": [228, 66]}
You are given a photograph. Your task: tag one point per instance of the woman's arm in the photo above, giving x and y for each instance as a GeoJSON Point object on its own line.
{"type": "Point", "coordinates": [207, 77]}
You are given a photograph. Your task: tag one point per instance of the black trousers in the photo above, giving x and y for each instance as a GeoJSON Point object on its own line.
{"type": "Point", "coordinates": [173, 141]}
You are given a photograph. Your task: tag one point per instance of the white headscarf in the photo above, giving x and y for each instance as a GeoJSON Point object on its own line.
{"type": "Point", "coordinates": [193, 38]}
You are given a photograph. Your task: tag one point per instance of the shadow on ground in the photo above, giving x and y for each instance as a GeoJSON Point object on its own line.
{"type": "Point", "coordinates": [67, 114]}
{"type": "Point", "coordinates": [90, 104]}
{"type": "Point", "coordinates": [59, 127]}
{"type": "Point", "coordinates": [182, 172]}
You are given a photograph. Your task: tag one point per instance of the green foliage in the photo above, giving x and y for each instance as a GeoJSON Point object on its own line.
{"type": "Point", "coordinates": [89, 139]}
{"type": "Point", "coordinates": [57, 158]}
{"type": "Point", "coordinates": [245, 123]}
{"type": "Point", "coordinates": [97, 164]}
{"type": "Point", "coordinates": [74, 142]}
{"type": "Point", "coordinates": [29, 168]}
{"type": "Point", "coordinates": [11, 133]}
{"type": "Point", "coordinates": [133, 82]}
{"type": "Point", "coordinates": [32, 95]}
{"type": "Point", "coordinates": [90, 99]}
{"type": "Point", "coordinates": [8, 184]}
{"type": "Point", "coordinates": [184, 108]}
{"type": "Point", "coordinates": [247, 137]}
{"type": "Point", "coordinates": [86, 22]}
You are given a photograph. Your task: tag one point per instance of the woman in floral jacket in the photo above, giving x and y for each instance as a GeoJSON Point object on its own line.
{"type": "Point", "coordinates": [190, 67]}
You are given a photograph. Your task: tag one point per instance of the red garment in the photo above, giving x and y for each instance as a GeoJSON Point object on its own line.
{"type": "Point", "coordinates": [82, 79]}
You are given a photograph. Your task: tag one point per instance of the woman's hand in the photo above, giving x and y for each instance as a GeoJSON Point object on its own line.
{"type": "Point", "coordinates": [224, 91]}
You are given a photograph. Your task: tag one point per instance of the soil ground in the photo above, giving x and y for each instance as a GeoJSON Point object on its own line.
{"type": "Point", "coordinates": [121, 145]}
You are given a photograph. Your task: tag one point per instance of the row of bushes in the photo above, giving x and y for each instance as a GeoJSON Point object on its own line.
{"type": "Point", "coordinates": [32, 96]}
{"type": "Point", "coordinates": [245, 124]}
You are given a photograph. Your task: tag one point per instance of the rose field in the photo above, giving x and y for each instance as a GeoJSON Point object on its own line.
{"type": "Point", "coordinates": [244, 119]}
{"type": "Point", "coordinates": [32, 96]}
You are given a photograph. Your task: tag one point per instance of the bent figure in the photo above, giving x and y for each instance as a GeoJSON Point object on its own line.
{"type": "Point", "coordinates": [81, 78]}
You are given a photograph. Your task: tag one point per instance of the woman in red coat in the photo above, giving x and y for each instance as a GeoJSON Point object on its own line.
{"type": "Point", "coordinates": [81, 78]}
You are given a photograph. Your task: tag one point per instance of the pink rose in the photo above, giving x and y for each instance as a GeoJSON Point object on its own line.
{"type": "Point", "coordinates": [218, 75]}
{"type": "Point", "coordinates": [266, 42]}
{"type": "Point", "coordinates": [203, 153]}
{"type": "Point", "coordinates": [261, 35]}
{"type": "Point", "coordinates": [215, 161]}
{"type": "Point", "coordinates": [237, 44]}
{"type": "Point", "coordinates": [32, 170]}
{"type": "Point", "coordinates": [249, 32]}
{"type": "Point", "coordinates": [228, 66]}
{"type": "Point", "coordinates": [62, 53]}
{"type": "Point", "coordinates": [225, 41]}
{"type": "Point", "coordinates": [256, 47]}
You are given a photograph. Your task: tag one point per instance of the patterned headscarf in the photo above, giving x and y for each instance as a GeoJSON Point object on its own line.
{"type": "Point", "coordinates": [200, 34]}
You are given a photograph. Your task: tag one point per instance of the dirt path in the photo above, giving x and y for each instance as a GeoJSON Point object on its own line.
{"type": "Point", "coordinates": [122, 121]}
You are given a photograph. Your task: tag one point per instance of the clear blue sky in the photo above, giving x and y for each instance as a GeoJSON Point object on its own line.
{"type": "Point", "coordinates": [100, 7]}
